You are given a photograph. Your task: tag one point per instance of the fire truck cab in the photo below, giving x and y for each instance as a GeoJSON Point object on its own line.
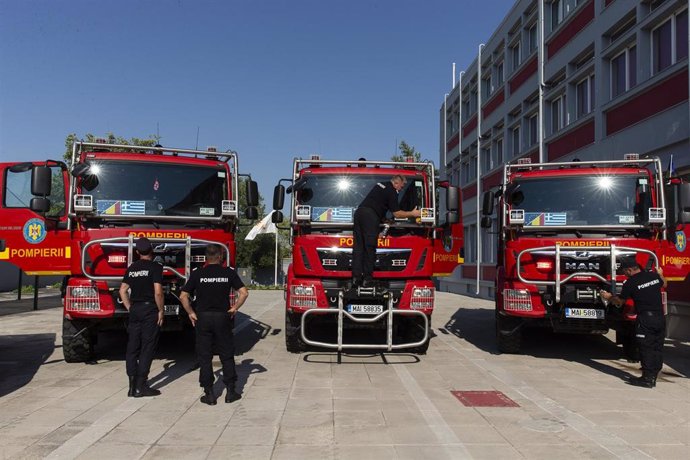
{"type": "Point", "coordinates": [81, 221]}
{"type": "Point", "coordinates": [322, 307]}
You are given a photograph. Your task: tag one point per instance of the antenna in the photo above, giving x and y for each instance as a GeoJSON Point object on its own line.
{"type": "Point", "coordinates": [197, 139]}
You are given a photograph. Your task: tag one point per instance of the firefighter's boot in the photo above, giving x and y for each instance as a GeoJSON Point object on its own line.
{"type": "Point", "coordinates": [143, 389]}
{"type": "Point", "coordinates": [132, 386]}
{"type": "Point", "coordinates": [231, 395]}
{"type": "Point", "coordinates": [208, 397]}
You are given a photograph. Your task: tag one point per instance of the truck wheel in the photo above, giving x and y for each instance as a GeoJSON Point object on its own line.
{"type": "Point", "coordinates": [293, 339]}
{"type": "Point", "coordinates": [626, 337]}
{"type": "Point", "coordinates": [508, 334]}
{"type": "Point", "coordinates": [77, 343]}
{"type": "Point", "coordinates": [422, 349]}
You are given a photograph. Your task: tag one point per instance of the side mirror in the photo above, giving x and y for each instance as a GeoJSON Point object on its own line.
{"type": "Point", "coordinates": [3, 246]}
{"type": "Point", "coordinates": [488, 203]}
{"type": "Point", "coordinates": [684, 203]}
{"type": "Point", "coordinates": [277, 217]}
{"type": "Point", "coordinates": [251, 213]}
{"type": "Point", "coordinates": [41, 205]}
{"type": "Point", "coordinates": [252, 194]}
{"type": "Point", "coordinates": [41, 178]}
{"type": "Point", "coordinates": [486, 222]}
{"type": "Point", "coordinates": [452, 198]}
{"type": "Point", "coordinates": [80, 169]}
{"type": "Point", "coordinates": [278, 197]}
{"type": "Point", "coordinates": [452, 217]}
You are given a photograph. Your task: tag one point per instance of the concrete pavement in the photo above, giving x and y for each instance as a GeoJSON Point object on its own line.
{"type": "Point", "coordinates": [570, 399]}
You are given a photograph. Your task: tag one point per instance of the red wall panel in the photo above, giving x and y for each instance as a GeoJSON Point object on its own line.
{"type": "Point", "coordinates": [658, 98]}
{"type": "Point", "coordinates": [571, 141]}
{"type": "Point", "coordinates": [527, 71]}
{"type": "Point", "coordinates": [493, 103]}
{"type": "Point", "coordinates": [569, 30]}
{"type": "Point", "coordinates": [455, 140]}
{"type": "Point", "coordinates": [469, 126]}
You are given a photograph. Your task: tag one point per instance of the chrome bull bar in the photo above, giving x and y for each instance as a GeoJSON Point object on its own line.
{"type": "Point", "coordinates": [390, 312]}
{"type": "Point", "coordinates": [556, 252]}
{"type": "Point", "coordinates": [188, 242]}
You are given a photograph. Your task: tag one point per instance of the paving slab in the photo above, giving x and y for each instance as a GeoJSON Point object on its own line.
{"type": "Point", "coordinates": [571, 400]}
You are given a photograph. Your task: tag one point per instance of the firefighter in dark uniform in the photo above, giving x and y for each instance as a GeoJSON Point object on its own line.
{"type": "Point", "coordinates": [214, 320]}
{"type": "Point", "coordinates": [644, 288]}
{"type": "Point", "coordinates": [144, 278]}
{"type": "Point", "coordinates": [382, 198]}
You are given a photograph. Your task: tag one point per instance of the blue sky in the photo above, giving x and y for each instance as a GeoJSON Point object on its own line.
{"type": "Point", "coordinates": [270, 79]}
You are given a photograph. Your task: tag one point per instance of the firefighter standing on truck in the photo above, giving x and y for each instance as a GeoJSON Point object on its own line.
{"type": "Point", "coordinates": [214, 320]}
{"type": "Point", "coordinates": [382, 198]}
{"type": "Point", "coordinates": [145, 305]}
{"type": "Point", "coordinates": [644, 288]}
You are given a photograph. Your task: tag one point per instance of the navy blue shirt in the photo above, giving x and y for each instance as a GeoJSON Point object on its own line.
{"type": "Point", "coordinates": [140, 277]}
{"type": "Point", "coordinates": [644, 288]}
{"type": "Point", "coordinates": [382, 198]}
{"type": "Point", "coordinates": [212, 285]}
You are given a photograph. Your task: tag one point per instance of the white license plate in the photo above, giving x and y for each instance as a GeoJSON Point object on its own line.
{"type": "Point", "coordinates": [584, 313]}
{"type": "Point", "coordinates": [171, 309]}
{"type": "Point", "coordinates": [365, 309]}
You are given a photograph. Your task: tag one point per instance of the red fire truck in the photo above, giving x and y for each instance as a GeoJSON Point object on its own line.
{"type": "Point", "coordinates": [562, 230]}
{"type": "Point", "coordinates": [81, 222]}
{"type": "Point", "coordinates": [322, 308]}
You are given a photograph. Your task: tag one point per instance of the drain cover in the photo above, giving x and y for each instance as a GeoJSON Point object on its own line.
{"type": "Point", "coordinates": [484, 399]}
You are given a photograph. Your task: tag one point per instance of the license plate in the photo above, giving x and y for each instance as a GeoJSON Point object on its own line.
{"type": "Point", "coordinates": [584, 313]}
{"type": "Point", "coordinates": [365, 309]}
{"type": "Point", "coordinates": [171, 309]}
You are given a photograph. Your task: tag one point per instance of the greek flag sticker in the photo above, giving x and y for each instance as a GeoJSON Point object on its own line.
{"type": "Point", "coordinates": [34, 231]}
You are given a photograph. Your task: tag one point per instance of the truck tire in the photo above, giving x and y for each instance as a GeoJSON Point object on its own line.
{"type": "Point", "coordinates": [508, 334]}
{"type": "Point", "coordinates": [77, 343]}
{"type": "Point", "coordinates": [293, 339]}
{"type": "Point", "coordinates": [626, 337]}
{"type": "Point", "coordinates": [422, 349]}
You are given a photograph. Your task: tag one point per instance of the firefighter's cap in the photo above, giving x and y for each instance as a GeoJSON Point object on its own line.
{"type": "Point", "coordinates": [628, 262]}
{"type": "Point", "coordinates": [143, 246]}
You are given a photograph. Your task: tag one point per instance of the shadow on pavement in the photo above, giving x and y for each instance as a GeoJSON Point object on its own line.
{"type": "Point", "coordinates": [177, 347]}
{"type": "Point", "coordinates": [10, 307]}
{"type": "Point", "coordinates": [478, 328]}
{"type": "Point", "coordinates": [20, 358]}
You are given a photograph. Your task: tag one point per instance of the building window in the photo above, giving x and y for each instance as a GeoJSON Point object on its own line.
{"type": "Point", "coordinates": [532, 124]}
{"type": "Point", "coordinates": [531, 39]}
{"type": "Point", "coordinates": [471, 243]}
{"type": "Point", "coordinates": [623, 71]}
{"type": "Point", "coordinates": [473, 101]}
{"type": "Point", "coordinates": [515, 142]}
{"type": "Point", "coordinates": [465, 172]}
{"type": "Point", "coordinates": [499, 74]}
{"type": "Point", "coordinates": [488, 88]}
{"type": "Point", "coordinates": [584, 92]}
{"type": "Point", "coordinates": [473, 166]}
{"type": "Point", "coordinates": [556, 13]}
{"type": "Point", "coordinates": [515, 55]}
{"type": "Point", "coordinates": [498, 152]}
{"type": "Point", "coordinates": [487, 164]}
{"type": "Point", "coordinates": [466, 109]}
{"type": "Point", "coordinates": [558, 114]}
{"type": "Point", "coordinates": [670, 42]}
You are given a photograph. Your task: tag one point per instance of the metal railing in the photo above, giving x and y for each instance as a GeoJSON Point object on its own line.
{"type": "Point", "coordinates": [389, 313]}
{"type": "Point", "coordinates": [556, 252]}
{"type": "Point", "coordinates": [188, 242]}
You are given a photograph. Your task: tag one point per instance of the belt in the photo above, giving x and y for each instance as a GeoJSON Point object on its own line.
{"type": "Point", "coordinates": [146, 304]}
{"type": "Point", "coordinates": [650, 313]}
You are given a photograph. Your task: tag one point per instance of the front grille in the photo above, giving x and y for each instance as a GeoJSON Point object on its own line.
{"type": "Point", "coordinates": [339, 259]}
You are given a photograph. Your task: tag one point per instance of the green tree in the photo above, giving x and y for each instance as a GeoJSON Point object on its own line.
{"type": "Point", "coordinates": [406, 151]}
{"type": "Point", "coordinates": [110, 138]}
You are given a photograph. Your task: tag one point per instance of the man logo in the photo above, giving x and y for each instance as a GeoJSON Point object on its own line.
{"type": "Point", "coordinates": [581, 266]}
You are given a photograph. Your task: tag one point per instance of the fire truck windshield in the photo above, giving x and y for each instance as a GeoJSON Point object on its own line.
{"type": "Point", "coordinates": [156, 189]}
{"type": "Point", "coordinates": [583, 200]}
{"type": "Point", "coordinates": [334, 198]}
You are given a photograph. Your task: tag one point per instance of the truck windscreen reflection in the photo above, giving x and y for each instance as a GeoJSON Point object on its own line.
{"type": "Point", "coordinates": [582, 200]}
{"type": "Point", "coordinates": [120, 188]}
